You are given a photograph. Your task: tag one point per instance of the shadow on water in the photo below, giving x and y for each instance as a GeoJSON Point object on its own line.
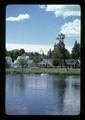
{"type": "Point", "coordinates": [59, 85]}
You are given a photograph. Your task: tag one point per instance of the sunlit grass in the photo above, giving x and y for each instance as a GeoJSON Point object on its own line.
{"type": "Point", "coordinates": [55, 71]}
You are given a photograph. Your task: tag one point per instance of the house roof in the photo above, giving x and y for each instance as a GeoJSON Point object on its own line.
{"type": "Point", "coordinates": [71, 61]}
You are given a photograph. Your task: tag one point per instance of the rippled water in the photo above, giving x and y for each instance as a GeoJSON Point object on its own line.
{"type": "Point", "coordinates": [42, 95]}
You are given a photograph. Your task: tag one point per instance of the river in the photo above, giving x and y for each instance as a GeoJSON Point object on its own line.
{"type": "Point", "coordinates": [42, 95]}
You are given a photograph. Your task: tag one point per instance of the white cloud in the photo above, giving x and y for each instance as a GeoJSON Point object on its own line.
{"type": "Point", "coordinates": [63, 10]}
{"type": "Point", "coordinates": [33, 48]}
{"type": "Point", "coordinates": [42, 6]}
{"type": "Point", "coordinates": [19, 17]}
{"type": "Point", "coordinates": [29, 47]}
{"type": "Point", "coordinates": [71, 13]}
{"type": "Point", "coordinates": [71, 28]}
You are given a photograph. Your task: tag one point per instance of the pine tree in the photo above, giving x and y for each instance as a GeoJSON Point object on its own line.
{"type": "Point", "coordinates": [76, 51]}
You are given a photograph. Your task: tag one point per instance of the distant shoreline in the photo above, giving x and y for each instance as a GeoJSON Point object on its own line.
{"type": "Point", "coordinates": [51, 71]}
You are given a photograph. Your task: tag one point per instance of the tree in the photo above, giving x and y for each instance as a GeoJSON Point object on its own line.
{"type": "Point", "coordinates": [56, 62]}
{"type": "Point", "coordinates": [57, 53]}
{"type": "Point", "coordinates": [37, 59]}
{"type": "Point", "coordinates": [61, 47]}
{"type": "Point", "coordinates": [67, 54]}
{"type": "Point", "coordinates": [22, 61]}
{"type": "Point", "coordinates": [7, 53]}
{"type": "Point", "coordinates": [22, 51]}
{"type": "Point", "coordinates": [49, 54]}
{"type": "Point", "coordinates": [61, 44]}
{"type": "Point", "coordinates": [76, 51]}
{"type": "Point", "coordinates": [14, 54]}
{"type": "Point", "coordinates": [57, 56]}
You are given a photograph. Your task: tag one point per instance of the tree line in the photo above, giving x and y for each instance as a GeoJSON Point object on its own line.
{"type": "Point", "coordinates": [58, 53]}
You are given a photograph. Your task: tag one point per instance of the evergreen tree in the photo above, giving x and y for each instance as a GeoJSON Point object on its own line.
{"type": "Point", "coordinates": [49, 53]}
{"type": "Point", "coordinates": [61, 47]}
{"type": "Point", "coordinates": [76, 51]}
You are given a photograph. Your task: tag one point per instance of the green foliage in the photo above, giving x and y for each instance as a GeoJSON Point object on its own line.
{"type": "Point", "coordinates": [49, 53]}
{"type": "Point", "coordinates": [37, 59]}
{"type": "Point", "coordinates": [21, 52]}
{"type": "Point", "coordinates": [56, 61]}
{"type": "Point", "coordinates": [67, 54]}
{"type": "Point", "coordinates": [76, 51]}
{"type": "Point", "coordinates": [61, 44]}
{"type": "Point", "coordinates": [57, 53]}
{"type": "Point", "coordinates": [15, 53]}
{"type": "Point", "coordinates": [22, 61]}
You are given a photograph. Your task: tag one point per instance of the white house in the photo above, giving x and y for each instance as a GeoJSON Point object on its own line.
{"type": "Point", "coordinates": [9, 61]}
{"type": "Point", "coordinates": [29, 62]}
{"type": "Point", "coordinates": [46, 63]}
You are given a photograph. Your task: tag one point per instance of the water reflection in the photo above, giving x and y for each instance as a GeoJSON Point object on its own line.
{"type": "Point", "coordinates": [36, 94]}
{"type": "Point", "coordinates": [37, 82]}
{"type": "Point", "coordinates": [59, 82]}
{"type": "Point", "coordinates": [59, 85]}
{"type": "Point", "coordinates": [20, 82]}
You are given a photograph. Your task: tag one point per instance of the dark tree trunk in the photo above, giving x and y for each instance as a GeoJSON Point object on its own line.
{"type": "Point", "coordinates": [65, 65]}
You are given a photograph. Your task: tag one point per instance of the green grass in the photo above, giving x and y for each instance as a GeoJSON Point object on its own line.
{"type": "Point", "coordinates": [55, 71]}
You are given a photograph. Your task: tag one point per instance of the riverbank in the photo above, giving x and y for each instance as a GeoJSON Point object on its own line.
{"type": "Point", "coordinates": [53, 71]}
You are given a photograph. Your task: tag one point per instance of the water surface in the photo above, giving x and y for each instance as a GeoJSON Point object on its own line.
{"type": "Point", "coordinates": [42, 95]}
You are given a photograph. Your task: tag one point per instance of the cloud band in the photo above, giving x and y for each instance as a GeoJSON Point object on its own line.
{"type": "Point", "coordinates": [20, 17]}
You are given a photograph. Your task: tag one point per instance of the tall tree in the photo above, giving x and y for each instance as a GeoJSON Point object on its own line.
{"type": "Point", "coordinates": [76, 51]}
{"type": "Point", "coordinates": [61, 46]}
{"type": "Point", "coordinates": [67, 54]}
{"type": "Point", "coordinates": [57, 56]}
{"type": "Point", "coordinates": [49, 54]}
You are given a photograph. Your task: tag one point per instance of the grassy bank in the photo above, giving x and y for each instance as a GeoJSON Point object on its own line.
{"type": "Point", "coordinates": [55, 71]}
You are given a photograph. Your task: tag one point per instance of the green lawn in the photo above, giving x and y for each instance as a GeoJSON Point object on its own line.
{"type": "Point", "coordinates": [55, 71]}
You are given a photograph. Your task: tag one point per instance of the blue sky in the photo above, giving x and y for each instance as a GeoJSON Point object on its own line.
{"type": "Point", "coordinates": [36, 27]}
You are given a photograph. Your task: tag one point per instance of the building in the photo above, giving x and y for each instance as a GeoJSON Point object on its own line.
{"type": "Point", "coordinates": [46, 63]}
{"type": "Point", "coordinates": [73, 63]}
{"type": "Point", "coordinates": [9, 62]}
